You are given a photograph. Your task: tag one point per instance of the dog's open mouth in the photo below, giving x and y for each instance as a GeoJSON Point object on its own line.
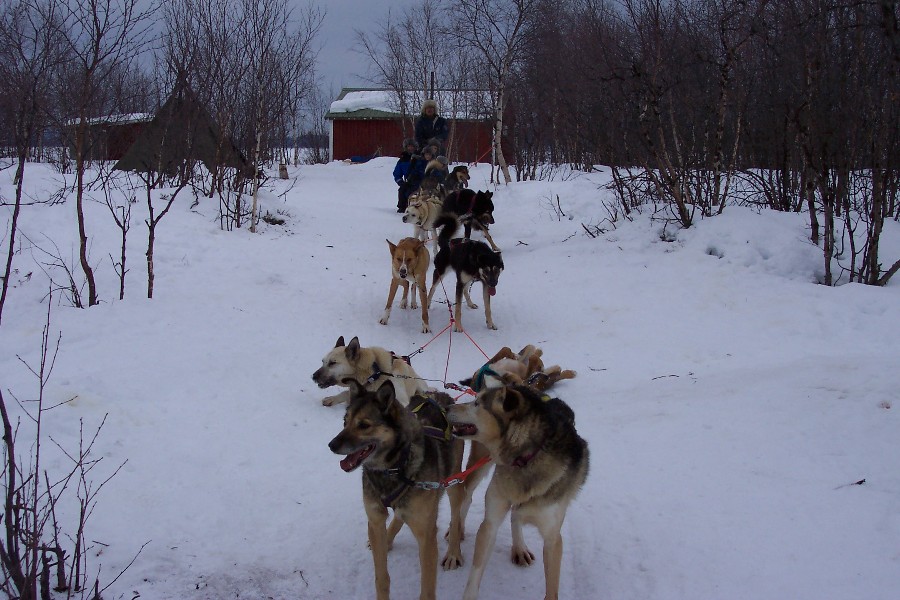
{"type": "Point", "coordinates": [354, 459]}
{"type": "Point", "coordinates": [464, 429]}
{"type": "Point", "coordinates": [492, 290]}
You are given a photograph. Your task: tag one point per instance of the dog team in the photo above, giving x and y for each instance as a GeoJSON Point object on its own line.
{"type": "Point", "coordinates": [409, 439]}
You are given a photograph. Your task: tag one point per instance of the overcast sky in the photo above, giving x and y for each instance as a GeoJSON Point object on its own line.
{"type": "Point", "coordinates": [339, 65]}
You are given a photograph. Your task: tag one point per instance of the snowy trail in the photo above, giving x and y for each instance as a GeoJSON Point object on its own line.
{"type": "Point", "coordinates": [725, 398]}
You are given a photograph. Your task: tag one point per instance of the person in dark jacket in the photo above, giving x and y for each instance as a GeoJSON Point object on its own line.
{"type": "Point", "coordinates": [417, 165]}
{"type": "Point", "coordinates": [431, 126]}
{"type": "Point", "coordinates": [401, 171]}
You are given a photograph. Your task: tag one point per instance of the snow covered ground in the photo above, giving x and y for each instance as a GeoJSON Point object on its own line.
{"type": "Point", "coordinates": [729, 402]}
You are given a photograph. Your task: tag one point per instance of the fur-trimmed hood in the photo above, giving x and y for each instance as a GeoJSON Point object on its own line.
{"type": "Point", "coordinates": [430, 103]}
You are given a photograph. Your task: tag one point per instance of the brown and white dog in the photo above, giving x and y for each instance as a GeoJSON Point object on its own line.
{"type": "Point", "coordinates": [409, 265]}
{"type": "Point", "coordinates": [518, 368]}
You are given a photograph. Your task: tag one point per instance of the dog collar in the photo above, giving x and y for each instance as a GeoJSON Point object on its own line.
{"type": "Point", "coordinates": [524, 459]}
{"type": "Point", "coordinates": [397, 471]}
{"type": "Point", "coordinates": [484, 371]}
{"type": "Point", "coordinates": [376, 373]}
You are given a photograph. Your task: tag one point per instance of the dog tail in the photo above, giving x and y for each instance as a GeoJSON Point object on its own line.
{"type": "Point", "coordinates": [448, 225]}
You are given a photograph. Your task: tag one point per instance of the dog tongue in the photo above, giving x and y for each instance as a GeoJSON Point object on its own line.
{"type": "Point", "coordinates": [347, 463]}
{"type": "Point", "coordinates": [351, 461]}
{"type": "Point", "coordinates": [492, 290]}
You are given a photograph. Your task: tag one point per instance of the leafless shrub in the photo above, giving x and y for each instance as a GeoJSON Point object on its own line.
{"type": "Point", "coordinates": [38, 552]}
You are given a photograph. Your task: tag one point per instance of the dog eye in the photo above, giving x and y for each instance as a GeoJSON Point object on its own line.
{"type": "Point", "coordinates": [363, 425]}
{"type": "Point", "coordinates": [331, 363]}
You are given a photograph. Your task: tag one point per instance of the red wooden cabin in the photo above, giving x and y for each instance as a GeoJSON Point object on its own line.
{"type": "Point", "coordinates": [364, 122]}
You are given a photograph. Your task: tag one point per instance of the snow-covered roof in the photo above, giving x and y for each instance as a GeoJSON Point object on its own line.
{"type": "Point", "coordinates": [122, 119]}
{"type": "Point", "coordinates": [452, 104]}
{"type": "Point", "coordinates": [363, 99]}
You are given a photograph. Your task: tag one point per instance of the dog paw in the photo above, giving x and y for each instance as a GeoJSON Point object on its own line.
{"type": "Point", "coordinates": [451, 562]}
{"type": "Point", "coordinates": [426, 328]}
{"type": "Point", "coordinates": [472, 305]}
{"type": "Point", "coordinates": [492, 326]}
{"type": "Point", "coordinates": [522, 556]}
{"type": "Point", "coordinates": [383, 321]}
{"type": "Point", "coordinates": [403, 304]}
{"type": "Point", "coordinates": [329, 401]}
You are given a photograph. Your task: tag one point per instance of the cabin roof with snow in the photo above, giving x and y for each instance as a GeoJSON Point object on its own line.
{"type": "Point", "coordinates": [373, 103]}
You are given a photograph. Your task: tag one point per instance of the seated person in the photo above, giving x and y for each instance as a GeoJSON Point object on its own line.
{"type": "Point", "coordinates": [401, 170]}
{"type": "Point", "coordinates": [430, 125]}
{"type": "Point", "coordinates": [416, 172]}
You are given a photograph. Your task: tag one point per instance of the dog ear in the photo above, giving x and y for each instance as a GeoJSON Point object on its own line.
{"type": "Point", "coordinates": [352, 349]}
{"type": "Point", "coordinates": [340, 342]}
{"type": "Point", "coordinates": [385, 397]}
{"type": "Point", "coordinates": [391, 245]}
{"type": "Point", "coordinates": [355, 388]}
{"type": "Point", "coordinates": [511, 400]}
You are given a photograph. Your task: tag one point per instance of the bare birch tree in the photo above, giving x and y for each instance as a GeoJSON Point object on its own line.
{"type": "Point", "coordinates": [497, 29]}
{"type": "Point", "coordinates": [409, 54]}
{"type": "Point", "coordinates": [30, 51]}
{"type": "Point", "coordinates": [103, 37]}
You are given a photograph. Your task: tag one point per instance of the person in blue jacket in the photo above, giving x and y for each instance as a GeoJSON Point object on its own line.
{"type": "Point", "coordinates": [415, 174]}
{"type": "Point", "coordinates": [401, 170]}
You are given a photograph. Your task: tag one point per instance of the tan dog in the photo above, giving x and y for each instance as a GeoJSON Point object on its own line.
{"type": "Point", "coordinates": [369, 367]}
{"type": "Point", "coordinates": [423, 209]}
{"type": "Point", "coordinates": [409, 264]}
{"type": "Point", "coordinates": [540, 465]}
{"type": "Point", "coordinates": [522, 368]}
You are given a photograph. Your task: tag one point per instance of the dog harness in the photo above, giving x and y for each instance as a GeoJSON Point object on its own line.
{"type": "Point", "coordinates": [377, 373]}
{"type": "Point", "coordinates": [484, 371]}
{"type": "Point", "coordinates": [445, 434]}
{"type": "Point", "coordinates": [399, 471]}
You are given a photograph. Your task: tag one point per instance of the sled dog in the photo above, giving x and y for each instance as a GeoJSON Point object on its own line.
{"type": "Point", "coordinates": [409, 265]}
{"type": "Point", "coordinates": [404, 455]}
{"type": "Point", "coordinates": [475, 210]}
{"type": "Point", "coordinates": [523, 368]}
{"type": "Point", "coordinates": [457, 179]}
{"type": "Point", "coordinates": [540, 465]}
{"type": "Point", "coordinates": [472, 261]}
{"type": "Point", "coordinates": [367, 366]}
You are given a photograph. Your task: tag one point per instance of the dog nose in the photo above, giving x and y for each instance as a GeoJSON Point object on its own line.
{"type": "Point", "coordinates": [334, 444]}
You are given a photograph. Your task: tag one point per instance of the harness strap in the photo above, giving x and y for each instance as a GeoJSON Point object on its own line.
{"type": "Point", "coordinates": [445, 434]}
{"type": "Point", "coordinates": [397, 472]}
{"type": "Point", "coordinates": [484, 371]}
